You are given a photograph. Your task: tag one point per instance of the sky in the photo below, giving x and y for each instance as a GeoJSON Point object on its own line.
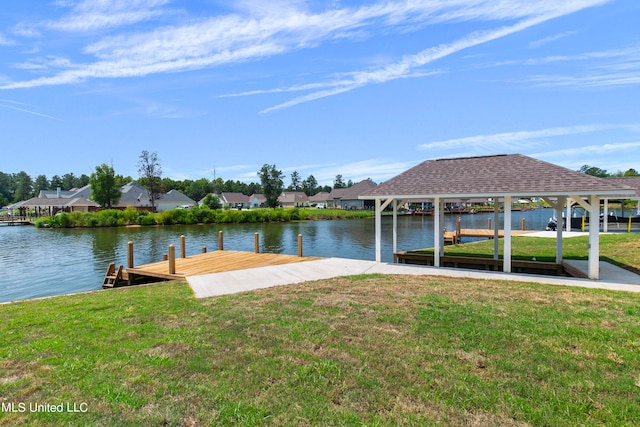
{"type": "Point", "coordinates": [364, 89]}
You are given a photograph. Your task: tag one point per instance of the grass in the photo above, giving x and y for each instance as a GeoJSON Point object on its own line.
{"type": "Point", "coordinates": [619, 249]}
{"type": "Point", "coordinates": [363, 350]}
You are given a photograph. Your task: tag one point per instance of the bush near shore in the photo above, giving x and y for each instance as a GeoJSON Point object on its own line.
{"type": "Point", "coordinates": [196, 215]}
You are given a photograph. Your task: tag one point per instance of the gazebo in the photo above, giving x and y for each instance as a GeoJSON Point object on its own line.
{"type": "Point", "coordinates": [499, 177]}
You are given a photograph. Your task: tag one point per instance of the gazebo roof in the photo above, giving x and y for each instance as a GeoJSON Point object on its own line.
{"type": "Point", "coordinates": [493, 176]}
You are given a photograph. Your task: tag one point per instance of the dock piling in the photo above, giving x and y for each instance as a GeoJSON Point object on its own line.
{"type": "Point", "coordinates": [129, 254]}
{"type": "Point", "coordinates": [220, 241]}
{"type": "Point", "coordinates": [172, 259]}
{"type": "Point", "coordinates": [299, 245]}
{"type": "Point", "coordinates": [256, 242]}
{"type": "Point", "coordinates": [183, 247]}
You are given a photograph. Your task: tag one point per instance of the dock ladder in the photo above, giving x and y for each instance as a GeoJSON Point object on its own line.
{"type": "Point", "coordinates": [113, 277]}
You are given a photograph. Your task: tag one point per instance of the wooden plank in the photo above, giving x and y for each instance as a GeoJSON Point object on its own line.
{"type": "Point", "coordinates": [214, 262]}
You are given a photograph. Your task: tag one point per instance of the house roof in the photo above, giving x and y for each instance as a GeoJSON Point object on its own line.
{"type": "Point", "coordinates": [234, 198]}
{"type": "Point", "coordinates": [353, 192]}
{"type": "Point", "coordinates": [492, 176]}
{"type": "Point", "coordinates": [175, 196]}
{"type": "Point", "coordinates": [82, 192]}
{"type": "Point", "coordinates": [260, 197]}
{"type": "Point", "coordinates": [133, 192]}
{"type": "Point", "coordinates": [322, 196]}
{"type": "Point", "coordinates": [57, 202]}
{"type": "Point", "coordinates": [293, 197]}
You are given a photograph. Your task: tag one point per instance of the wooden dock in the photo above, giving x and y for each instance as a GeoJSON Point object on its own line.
{"type": "Point", "coordinates": [14, 220]}
{"type": "Point", "coordinates": [205, 263]}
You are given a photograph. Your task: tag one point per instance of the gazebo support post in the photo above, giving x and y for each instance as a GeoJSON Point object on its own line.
{"type": "Point", "coordinates": [594, 238]}
{"type": "Point", "coordinates": [379, 206]}
{"type": "Point", "coordinates": [557, 208]}
{"type": "Point", "coordinates": [605, 219]}
{"type": "Point", "coordinates": [395, 226]}
{"type": "Point", "coordinates": [593, 207]}
{"type": "Point", "coordinates": [506, 262]}
{"type": "Point", "coordinates": [378, 221]}
{"type": "Point", "coordinates": [437, 231]}
{"type": "Point", "coordinates": [496, 228]}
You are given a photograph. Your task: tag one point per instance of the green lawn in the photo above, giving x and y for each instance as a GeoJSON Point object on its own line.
{"type": "Point", "coordinates": [365, 350]}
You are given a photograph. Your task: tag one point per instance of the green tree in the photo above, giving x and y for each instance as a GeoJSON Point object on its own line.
{"type": "Point", "coordinates": [23, 186]}
{"type": "Point", "coordinates": [296, 184]}
{"type": "Point", "coordinates": [149, 168]}
{"type": "Point", "coordinates": [212, 201]}
{"type": "Point", "coordinates": [272, 184]}
{"type": "Point", "coordinates": [592, 170]}
{"type": "Point", "coordinates": [338, 182]}
{"type": "Point", "coordinates": [105, 190]}
{"type": "Point", "coordinates": [68, 181]}
{"type": "Point", "coordinates": [198, 189]}
{"type": "Point", "coordinates": [6, 189]}
{"type": "Point", "coordinates": [41, 183]}
{"type": "Point", "coordinates": [310, 186]}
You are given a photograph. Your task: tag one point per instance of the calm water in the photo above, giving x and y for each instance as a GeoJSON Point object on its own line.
{"type": "Point", "coordinates": [38, 262]}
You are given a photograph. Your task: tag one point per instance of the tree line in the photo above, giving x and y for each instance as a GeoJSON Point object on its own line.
{"type": "Point", "coordinates": [602, 173]}
{"type": "Point", "coordinates": [106, 183]}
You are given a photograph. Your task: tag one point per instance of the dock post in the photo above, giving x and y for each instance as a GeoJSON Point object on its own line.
{"type": "Point", "coordinates": [220, 241]}
{"type": "Point", "coordinates": [172, 259]}
{"type": "Point", "coordinates": [489, 226]}
{"type": "Point", "coordinates": [183, 247]}
{"type": "Point", "coordinates": [524, 223]}
{"type": "Point", "coordinates": [130, 254]}
{"type": "Point", "coordinates": [204, 249]}
{"type": "Point", "coordinates": [165, 257]}
{"type": "Point", "coordinates": [299, 245]}
{"type": "Point", "coordinates": [256, 242]}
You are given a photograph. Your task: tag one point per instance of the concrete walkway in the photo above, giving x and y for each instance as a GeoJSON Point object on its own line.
{"type": "Point", "coordinates": [612, 277]}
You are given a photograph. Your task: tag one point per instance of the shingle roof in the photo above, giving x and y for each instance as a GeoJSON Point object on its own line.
{"type": "Point", "coordinates": [175, 196]}
{"type": "Point", "coordinates": [490, 176]}
{"type": "Point", "coordinates": [352, 193]}
{"type": "Point", "coordinates": [629, 181]}
{"type": "Point", "coordinates": [229, 197]}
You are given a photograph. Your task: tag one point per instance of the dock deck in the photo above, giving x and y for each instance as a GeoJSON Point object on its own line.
{"type": "Point", "coordinates": [211, 262]}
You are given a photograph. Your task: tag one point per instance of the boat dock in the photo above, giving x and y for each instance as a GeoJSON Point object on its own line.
{"type": "Point", "coordinates": [211, 262]}
{"type": "Point", "coordinates": [14, 220]}
{"type": "Point", "coordinates": [183, 266]}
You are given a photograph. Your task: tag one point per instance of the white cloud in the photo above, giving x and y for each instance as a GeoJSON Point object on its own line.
{"type": "Point", "coordinates": [513, 140]}
{"type": "Point", "coordinates": [96, 14]}
{"type": "Point", "coordinates": [550, 39]}
{"type": "Point", "coordinates": [210, 42]}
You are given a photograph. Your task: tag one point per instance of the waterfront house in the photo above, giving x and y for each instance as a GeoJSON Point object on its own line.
{"type": "Point", "coordinates": [257, 201]}
{"type": "Point", "coordinates": [233, 200]}
{"type": "Point", "coordinates": [348, 198]}
{"type": "Point", "coordinates": [320, 200]}
{"type": "Point", "coordinates": [293, 199]}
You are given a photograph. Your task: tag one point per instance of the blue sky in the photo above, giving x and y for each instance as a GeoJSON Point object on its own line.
{"type": "Point", "coordinates": [361, 89]}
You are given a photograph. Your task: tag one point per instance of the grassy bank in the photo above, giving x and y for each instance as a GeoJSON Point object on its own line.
{"type": "Point", "coordinates": [368, 350]}
{"type": "Point", "coordinates": [197, 215]}
{"type": "Point", "coordinates": [363, 350]}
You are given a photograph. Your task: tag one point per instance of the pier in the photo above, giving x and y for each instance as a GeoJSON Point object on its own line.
{"type": "Point", "coordinates": [179, 267]}
{"type": "Point", "coordinates": [14, 220]}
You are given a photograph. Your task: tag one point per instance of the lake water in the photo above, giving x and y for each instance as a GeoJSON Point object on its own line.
{"type": "Point", "coordinates": [45, 262]}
